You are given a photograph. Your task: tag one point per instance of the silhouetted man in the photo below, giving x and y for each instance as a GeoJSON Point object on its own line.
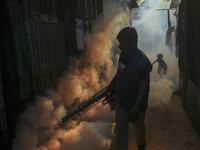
{"type": "Point", "coordinates": [131, 87]}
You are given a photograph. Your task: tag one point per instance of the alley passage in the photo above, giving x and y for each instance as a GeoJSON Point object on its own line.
{"type": "Point", "coordinates": [168, 128]}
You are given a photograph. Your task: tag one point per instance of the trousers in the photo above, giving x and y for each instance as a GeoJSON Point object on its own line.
{"type": "Point", "coordinates": [122, 128]}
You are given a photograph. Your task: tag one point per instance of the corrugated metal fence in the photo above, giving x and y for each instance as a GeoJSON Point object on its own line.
{"type": "Point", "coordinates": [52, 36]}
{"type": "Point", "coordinates": [189, 39]}
{"type": "Point", "coordinates": [52, 33]}
{"type": "Point", "coordinates": [189, 59]}
{"type": "Point", "coordinates": [39, 38]}
{"type": "Point", "coordinates": [45, 34]}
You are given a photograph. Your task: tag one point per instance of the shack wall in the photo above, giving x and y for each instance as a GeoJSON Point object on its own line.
{"type": "Point", "coordinates": [38, 39]}
{"type": "Point", "coordinates": [189, 58]}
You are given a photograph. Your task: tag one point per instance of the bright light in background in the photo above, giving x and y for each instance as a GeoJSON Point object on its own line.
{"type": "Point", "coordinates": [152, 26]}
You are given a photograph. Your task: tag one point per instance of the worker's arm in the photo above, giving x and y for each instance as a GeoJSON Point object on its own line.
{"type": "Point", "coordinates": [112, 86]}
{"type": "Point", "coordinates": [142, 91]}
{"type": "Point", "coordinates": [111, 89]}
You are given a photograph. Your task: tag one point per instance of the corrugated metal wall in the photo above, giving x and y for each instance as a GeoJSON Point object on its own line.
{"type": "Point", "coordinates": [52, 31]}
{"type": "Point", "coordinates": [52, 27]}
{"type": "Point", "coordinates": [39, 37]}
{"type": "Point", "coordinates": [189, 59]}
{"type": "Point", "coordinates": [49, 54]}
{"type": "Point", "coordinates": [88, 10]}
{"type": "Point", "coordinates": [189, 39]}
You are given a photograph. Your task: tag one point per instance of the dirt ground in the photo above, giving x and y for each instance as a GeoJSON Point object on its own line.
{"type": "Point", "coordinates": [168, 128]}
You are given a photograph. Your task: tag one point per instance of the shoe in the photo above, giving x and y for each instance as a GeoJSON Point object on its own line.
{"type": "Point", "coordinates": [142, 147]}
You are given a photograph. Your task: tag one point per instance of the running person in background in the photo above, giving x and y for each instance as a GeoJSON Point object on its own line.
{"type": "Point", "coordinates": [161, 64]}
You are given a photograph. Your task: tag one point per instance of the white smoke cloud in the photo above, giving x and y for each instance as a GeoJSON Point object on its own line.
{"type": "Point", "coordinates": [152, 26]}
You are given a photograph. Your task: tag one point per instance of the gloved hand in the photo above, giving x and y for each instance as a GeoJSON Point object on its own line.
{"type": "Point", "coordinates": [112, 105]}
{"type": "Point", "coordinates": [111, 88]}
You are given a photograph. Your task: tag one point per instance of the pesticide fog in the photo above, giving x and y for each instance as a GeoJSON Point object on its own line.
{"type": "Point", "coordinates": [38, 128]}
{"type": "Point", "coordinates": [152, 26]}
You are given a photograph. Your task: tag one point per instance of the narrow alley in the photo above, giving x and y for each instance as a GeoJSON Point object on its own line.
{"type": "Point", "coordinates": [60, 59]}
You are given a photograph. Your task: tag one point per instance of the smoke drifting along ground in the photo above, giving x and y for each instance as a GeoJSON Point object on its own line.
{"type": "Point", "coordinates": [152, 26]}
{"type": "Point", "coordinates": [86, 76]}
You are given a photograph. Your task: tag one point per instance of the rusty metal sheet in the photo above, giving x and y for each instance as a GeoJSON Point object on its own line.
{"type": "Point", "coordinates": [48, 45]}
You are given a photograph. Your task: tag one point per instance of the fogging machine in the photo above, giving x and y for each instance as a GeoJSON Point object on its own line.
{"type": "Point", "coordinates": [95, 98]}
